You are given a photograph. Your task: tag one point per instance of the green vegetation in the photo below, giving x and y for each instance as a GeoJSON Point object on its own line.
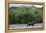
{"type": "Point", "coordinates": [24, 15]}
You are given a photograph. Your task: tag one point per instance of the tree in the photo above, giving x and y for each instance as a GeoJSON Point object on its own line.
{"type": "Point", "coordinates": [24, 15]}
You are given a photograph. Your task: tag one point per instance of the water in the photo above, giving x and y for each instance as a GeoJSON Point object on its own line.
{"type": "Point", "coordinates": [22, 26]}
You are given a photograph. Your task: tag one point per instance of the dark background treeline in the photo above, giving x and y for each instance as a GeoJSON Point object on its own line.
{"type": "Point", "coordinates": [25, 15]}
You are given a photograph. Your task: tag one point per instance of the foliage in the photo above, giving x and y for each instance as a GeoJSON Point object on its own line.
{"type": "Point", "coordinates": [24, 15]}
